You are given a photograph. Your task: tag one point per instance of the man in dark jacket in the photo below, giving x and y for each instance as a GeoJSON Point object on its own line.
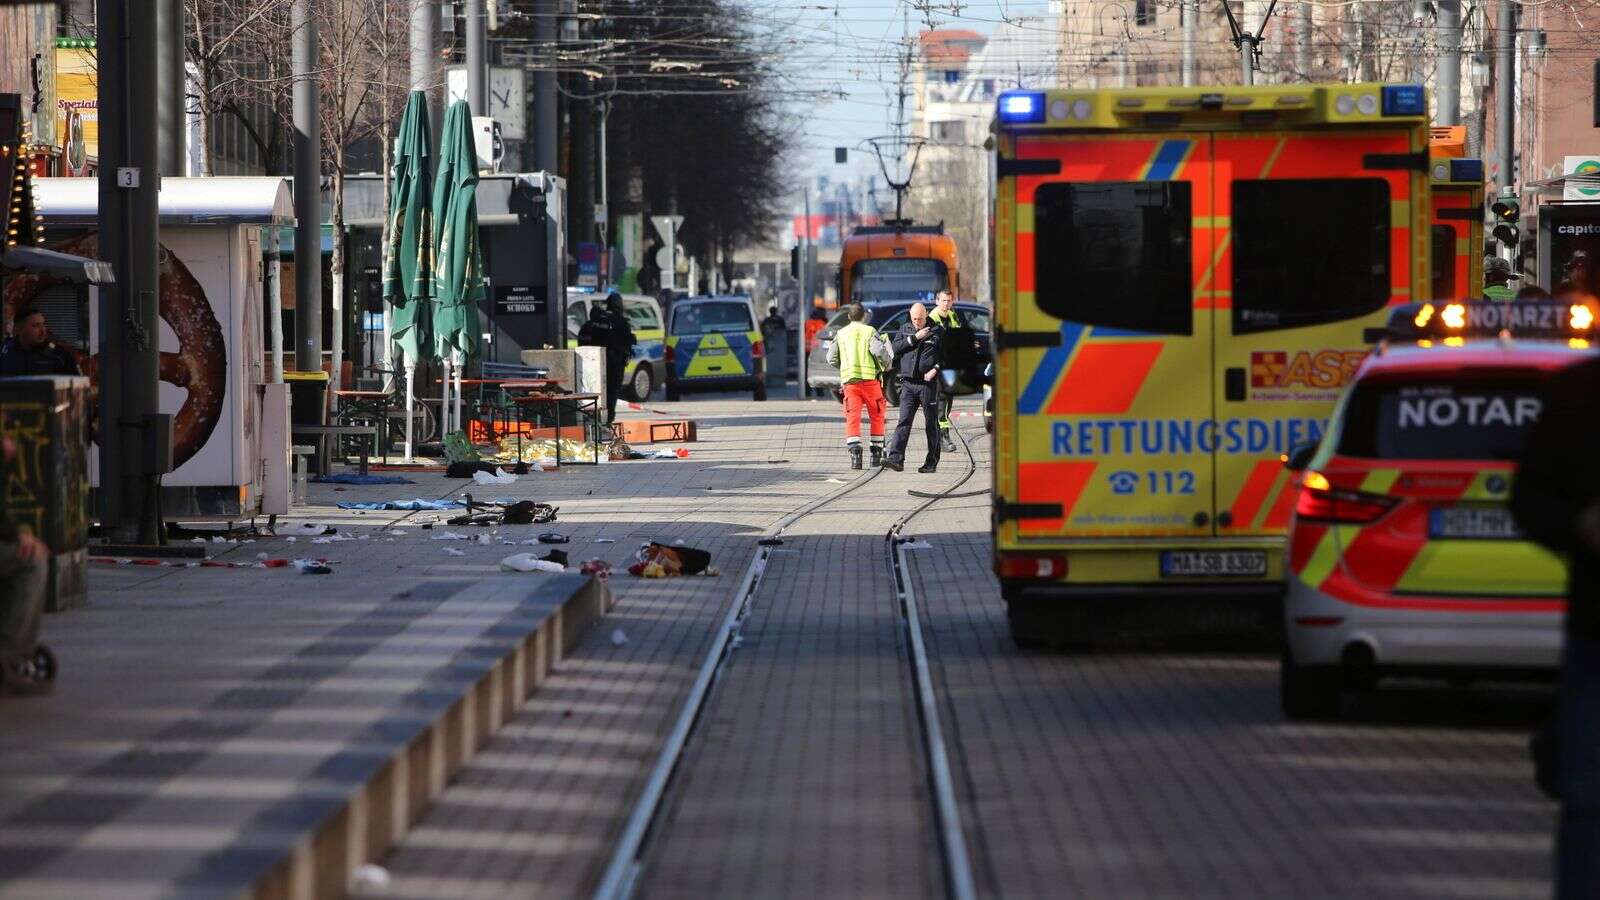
{"type": "Point", "coordinates": [916, 357]}
{"type": "Point", "coordinates": [1557, 502]}
{"type": "Point", "coordinates": [24, 563]}
{"type": "Point", "coordinates": [608, 327]}
{"type": "Point", "coordinates": [30, 351]}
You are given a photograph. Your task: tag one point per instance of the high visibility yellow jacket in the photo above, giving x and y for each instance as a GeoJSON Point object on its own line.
{"type": "Point", "coordinates": [951, 319]}
{"type": "Point", "coordinates": [852, 352]}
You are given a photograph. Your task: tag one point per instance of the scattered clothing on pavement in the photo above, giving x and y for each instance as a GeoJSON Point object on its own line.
{"type": "Point", "coordinates": [357, 478]}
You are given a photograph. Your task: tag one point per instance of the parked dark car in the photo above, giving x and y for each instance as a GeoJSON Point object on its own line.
{"type": "Point", "coordinates": [887, 318]}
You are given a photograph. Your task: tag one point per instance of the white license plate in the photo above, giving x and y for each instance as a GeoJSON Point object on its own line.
{"type": "Point", "coordinates": [1474, 523]}
{"type": "Point", "coordinates": [714, 351]}
{"type": "Point", "coordinates": [1213, 563]}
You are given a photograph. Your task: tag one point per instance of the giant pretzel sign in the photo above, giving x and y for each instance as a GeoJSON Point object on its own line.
{"type": "Point", "coordinates": [201, 364]}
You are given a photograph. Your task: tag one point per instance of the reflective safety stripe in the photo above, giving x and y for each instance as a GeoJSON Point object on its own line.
{"type": "Point", "coordinates": [1326, 555]}
{"type": "Point", "coordinates": [1379, 481]}
{"type": "Point", "coordinates": [1510, 568]}
{"type": "Point", "coordinates": [855, 352]}
{"type": "Point", "coordinates": [731, 361]}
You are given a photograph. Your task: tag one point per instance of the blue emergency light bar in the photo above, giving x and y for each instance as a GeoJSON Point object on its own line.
{"type": "Point", "coordinates": [1022, 106]}
{"type": "Point", "coordinates": [1404, 100]}
{"type": "Point", "coordinates": [1546, 319]}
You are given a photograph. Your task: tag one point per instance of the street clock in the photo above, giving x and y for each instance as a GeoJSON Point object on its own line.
{"type": "Point", "coordinates": [507, 98]}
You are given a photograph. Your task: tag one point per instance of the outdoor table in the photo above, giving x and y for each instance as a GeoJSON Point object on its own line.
{"type": "Point", "coordinates": [321, 433]}
{"type": "Point", "coordinates": [587, 407]}
{"type": "Point", "coordinates": [485, 410]}
{"type": "Point", "coordinates": [377, 404]}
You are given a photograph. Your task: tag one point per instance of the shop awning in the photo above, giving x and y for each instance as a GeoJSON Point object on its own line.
{"type": "Point", "coordinates": [184, 201]}
{"type": "Point", "coordinates": [59, 265]}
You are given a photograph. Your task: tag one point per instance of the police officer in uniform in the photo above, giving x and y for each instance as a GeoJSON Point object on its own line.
{"type": "Point", "coordinates": [917, 359]}
{"type": "Point", "coordinates": [30, 351]}
{"type": "Point", "coordinates": [947, 317]}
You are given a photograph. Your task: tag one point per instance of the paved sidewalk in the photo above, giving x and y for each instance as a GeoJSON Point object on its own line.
{"type": "Point", "coordinates": [1175, 775]}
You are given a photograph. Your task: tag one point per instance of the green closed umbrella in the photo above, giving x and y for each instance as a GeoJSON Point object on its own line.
{"type": "Point", "coordinates": [408, 237]}
{"type": "Point", "coordinates": [458, 260]}
{"type": "Point", "coordinates": [408, 249]}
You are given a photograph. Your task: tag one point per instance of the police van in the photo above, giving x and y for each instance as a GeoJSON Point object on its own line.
{"type": "Point", "coordinates": [1183, 278]}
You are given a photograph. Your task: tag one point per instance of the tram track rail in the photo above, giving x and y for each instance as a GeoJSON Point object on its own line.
{"type": "Point", "coordinates": [620, 876]}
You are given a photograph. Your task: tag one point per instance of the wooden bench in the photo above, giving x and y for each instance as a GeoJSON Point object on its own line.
{"type": "Point", "coordinates": [321, 433]}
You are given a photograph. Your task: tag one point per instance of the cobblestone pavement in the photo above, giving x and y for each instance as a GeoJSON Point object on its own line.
{"type": "Point", "coordinates": [536, 813]}
{"type": "Point", "coordinates": [1175, 775]}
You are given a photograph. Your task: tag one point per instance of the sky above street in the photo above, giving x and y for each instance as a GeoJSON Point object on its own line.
{"type": "Point", "coordinates": [849, 53]}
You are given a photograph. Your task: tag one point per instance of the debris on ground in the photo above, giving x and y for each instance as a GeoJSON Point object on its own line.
{"type": "Point", "coordinates": [369, 877]}
{"type": "Point", "coordinates": [451, 536]}
{"type": "Point", "coordinates": [542, 452]}
{"type": "Point", "coordinates": [553, 537]}
{"type": "Point", "coordinates": [558, 557]}
{"type": "Point", "coordinates": [618, 638]}
{"type": "Point", "coordinates": [660, 561]}
{"type": "Point", "coordinates": [356, 478]}
{"type": "Point", "coordinates": [598, 568]}
{"type": "Point", "coordinates": [527, 512]}
{"type": "Point", "coordinates": [312, 528]}
{"type": "Point", "coordinates": [451, 551]}
{"type": "Point", "coordinates": [467, 468]}
{"type": "Point", "coordinates": [527, 562]}
{"type": "Point", "coordinates": [915, 545]}
{"type": "Point", "coordinates": [313, 567]}
{"type": "Point", "coordinates": [332, 539]}
{"type": "Point", "coordinates": [410, 505]}
{"type": "Point", "coordinates": [498, 476]}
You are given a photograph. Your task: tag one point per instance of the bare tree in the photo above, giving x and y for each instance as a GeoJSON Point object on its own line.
{"type": "Point", "coordinates": [239, 48]}
{"type": "Point", "coordinates": [951, 187]}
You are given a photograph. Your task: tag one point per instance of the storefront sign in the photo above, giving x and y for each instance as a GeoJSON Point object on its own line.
{"type": "Point", "coordinates": [516, 299]}
{"type": "Point", "coordinates": [76, 92]}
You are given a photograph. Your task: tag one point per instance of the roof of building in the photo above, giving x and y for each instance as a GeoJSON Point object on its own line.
{"type": "Point", "coordinates": [948, 45]}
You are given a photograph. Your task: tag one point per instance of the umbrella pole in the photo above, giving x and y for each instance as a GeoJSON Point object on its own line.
{"type": "Point", "coordinates": [411, 405]}
{"type": "Point", "coordinates": [444, 397]}
{"type": "Point", "coordinates": [460, 364]}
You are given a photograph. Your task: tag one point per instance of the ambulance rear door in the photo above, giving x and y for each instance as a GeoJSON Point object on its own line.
{"type": "Point", "coordinates": [1316, 237]}
{"type": "Point", "coordinates": [1110, 366]}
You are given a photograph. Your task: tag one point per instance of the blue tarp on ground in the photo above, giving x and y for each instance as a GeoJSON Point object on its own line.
{"type": "Point", "coordinates": [404, 504]}
{"type": "Point", "coordinates": [354, 478]}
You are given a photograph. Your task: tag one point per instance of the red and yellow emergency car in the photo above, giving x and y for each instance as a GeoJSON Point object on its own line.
{"type": "Point", "coordinates": [1183, 277]}
{"type": "Point", "coordinates": [1403, 554]}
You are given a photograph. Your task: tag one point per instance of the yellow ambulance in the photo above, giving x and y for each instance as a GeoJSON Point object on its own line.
{"type": "Point", "coordinates": [1183, 281]}
{"type": "Point", "coordinates": [1456, 227]}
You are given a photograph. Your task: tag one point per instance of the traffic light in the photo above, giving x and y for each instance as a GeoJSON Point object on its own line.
{"type": "Point", "coordinates": [1507, 219]}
